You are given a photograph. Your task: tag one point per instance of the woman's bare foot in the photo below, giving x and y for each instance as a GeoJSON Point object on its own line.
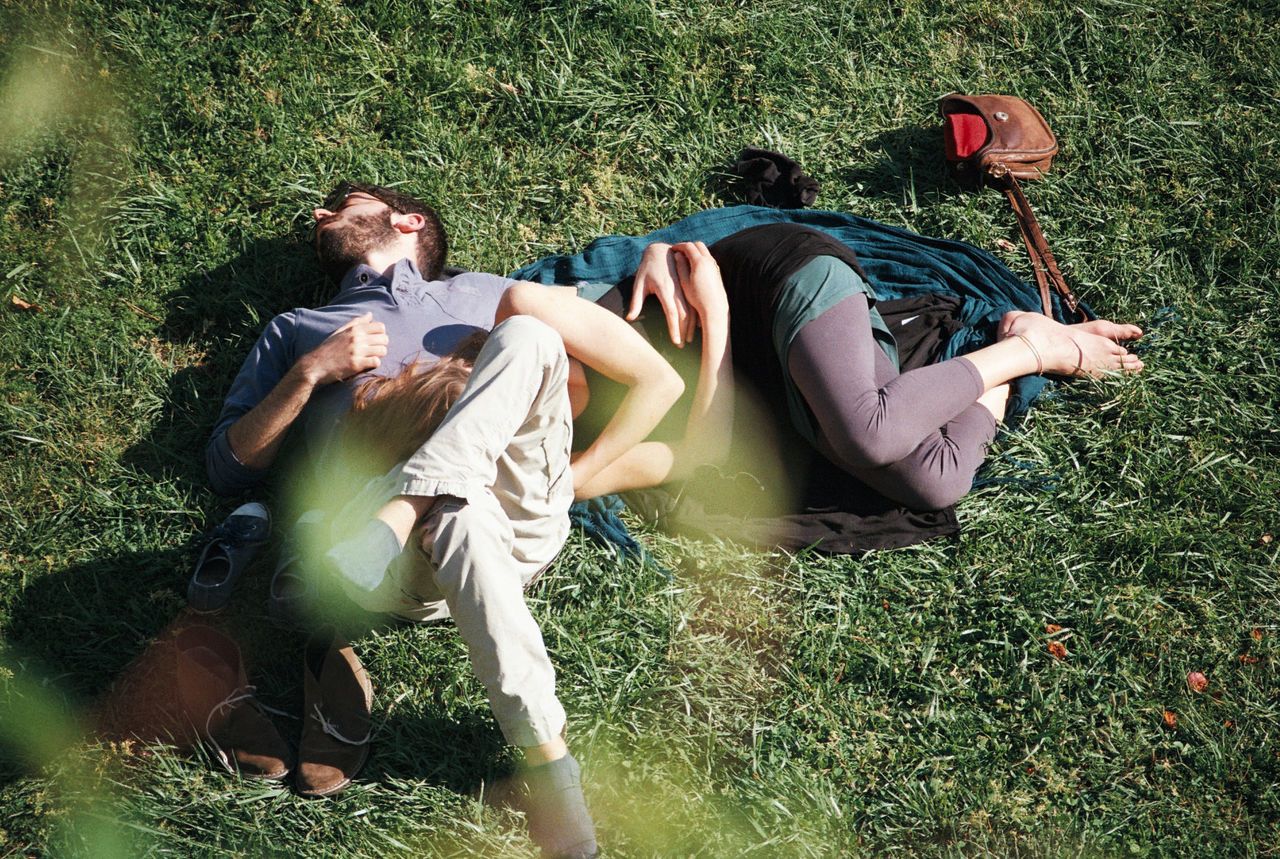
{"type": "Point", "coordinates": [1088, 349]}
{"type": "Point", "coordinates": [1115, 331]}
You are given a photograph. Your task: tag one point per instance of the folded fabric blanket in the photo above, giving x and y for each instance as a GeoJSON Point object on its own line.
{"type": "Point", "coordinates": [900, 264]}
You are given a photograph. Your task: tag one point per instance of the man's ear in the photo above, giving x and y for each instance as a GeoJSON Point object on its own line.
{"type": "Point", "coordinates": [408, 223]}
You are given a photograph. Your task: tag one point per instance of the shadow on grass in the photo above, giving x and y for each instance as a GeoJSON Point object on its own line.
{"type": "Point", "coordinates": [71, 632]}
{"type": "Point", "coordinates": [78, 627]}
{"type": "Point", "coordinates": [901, 162]}
{"type": "Point", "coordinates": [467, 755]}
{"type": "Point", "coordinates": [210, 326]}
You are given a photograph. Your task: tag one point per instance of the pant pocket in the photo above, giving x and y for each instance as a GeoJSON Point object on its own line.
{"type": "Point", "coordinates": [555, 449]}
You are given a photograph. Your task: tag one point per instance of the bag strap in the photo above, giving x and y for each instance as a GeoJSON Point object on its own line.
{"type": "Point", "coordinates": [1042, 261]}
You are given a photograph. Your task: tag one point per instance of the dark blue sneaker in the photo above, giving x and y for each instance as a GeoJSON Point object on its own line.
{"type": "Point", "coordinates": [229, 550]}
{"type": "Point", "coordinates": [292, 598]}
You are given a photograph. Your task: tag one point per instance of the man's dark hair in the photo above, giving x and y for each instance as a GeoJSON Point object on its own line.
{"type": "Point", "coordinates": [433, 245]}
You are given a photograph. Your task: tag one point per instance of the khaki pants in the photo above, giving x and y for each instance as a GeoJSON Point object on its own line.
{"type": "Point", "coordinates": [499, 467]}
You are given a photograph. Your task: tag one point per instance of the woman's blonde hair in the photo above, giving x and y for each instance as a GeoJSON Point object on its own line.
{"type": "Point", "coordinates": [392, 416]}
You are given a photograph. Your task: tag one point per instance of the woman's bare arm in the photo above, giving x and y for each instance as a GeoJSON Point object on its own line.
{"type": "Point", "coordinates": [609, 346]}
{"type": "Point", "coordinates": [710, 423]}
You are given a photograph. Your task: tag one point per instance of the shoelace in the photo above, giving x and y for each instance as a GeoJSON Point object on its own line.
{"type": "Point", "coordinates": [331, 729]}
{"type": "Point", "coordinates": [235, 533]}
{"type": "Point", "coordinates": [236, 696]}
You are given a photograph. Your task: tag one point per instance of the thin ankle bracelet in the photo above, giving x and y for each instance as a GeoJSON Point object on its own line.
{"type": "Point", "coordinates": [1036, 352]}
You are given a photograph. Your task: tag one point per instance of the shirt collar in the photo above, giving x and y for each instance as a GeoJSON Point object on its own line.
{"type": "Point", "coordinates": [403, 272]}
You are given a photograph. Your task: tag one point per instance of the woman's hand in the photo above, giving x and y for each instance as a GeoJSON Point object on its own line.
{"type": "Point", "coordinates": [700, 281]}
{"type": "Point", "coordinates": [658, 276]}
{"type": "Point", "coordinates": [709, 428]}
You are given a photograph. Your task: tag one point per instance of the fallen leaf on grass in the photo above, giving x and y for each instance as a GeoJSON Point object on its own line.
{"type": "Point", "coordinates": [1170, 719]}
{"type": "Point", "coordinates": [1006, 245]}
{"type": "Point", "coordinates": [1197, 681]}
{"type": "Point", "coordinates": [1052, 628]}
{"type": "Point", "coordinates": [1256, 635]}
{"type": "Point", "coordinates": [22, 304]}
{"type": "Point", "coordinates": [1058, 649]}
{"type": "Point", "coordinates": [1248, 660]}
{"type": "Point", "coordinates": [1265, 539]}
{"type": "Point", "coordinates": [1230, 723]}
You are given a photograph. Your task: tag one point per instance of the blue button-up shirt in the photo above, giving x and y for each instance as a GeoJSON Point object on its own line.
{"type": "Point", "coordinates": [424, 320]}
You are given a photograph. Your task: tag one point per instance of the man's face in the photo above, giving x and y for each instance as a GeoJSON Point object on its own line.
{"type": "Point", "coordinates": [345, 235]}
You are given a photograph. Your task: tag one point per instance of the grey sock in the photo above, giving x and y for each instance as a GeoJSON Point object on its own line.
{"type": "Point", "coordinates": [362, 560]}
{"type": "Point", "coordinates": [558, 818]}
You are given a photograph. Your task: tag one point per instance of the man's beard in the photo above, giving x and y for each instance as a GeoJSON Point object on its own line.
{"type": "Point", "coordinates": [343, 246]}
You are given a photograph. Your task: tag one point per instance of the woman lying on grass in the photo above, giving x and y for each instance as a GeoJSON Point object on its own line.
{"type": "Point", "coordinates": [808, 338]}
{"type": "Point", "coordinates": [790, 297]}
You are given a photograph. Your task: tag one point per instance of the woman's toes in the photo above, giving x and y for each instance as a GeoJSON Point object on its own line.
{"type": "Point", "coordinates": [1114, 331]}
{"type": "Point", "coordinates": [1100, 355]}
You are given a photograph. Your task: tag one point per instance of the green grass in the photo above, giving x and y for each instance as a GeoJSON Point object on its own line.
{"type": "Point", "coordinates": [158, 165]}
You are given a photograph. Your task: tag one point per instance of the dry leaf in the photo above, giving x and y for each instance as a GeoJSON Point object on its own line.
{"type": "Point", "coordinates": [1052, 628]}
{"type": "Point", "coordinates": [1266, 539]}
{"type": "Point", "coordinates": [1248, 660]}
{"type": "Point", "coordinates": [1006, 245]}
{"type": "Point", "coordinates": [22, 304]}
{"type": "Point", "coordinates": [1170, 719]}
{"type": "Point", "coordinates": [509, 88]}
{"type": "Point", "coordinates": [1256, 635]}
{"type": "Point", "coordinates": [1197, 681]}
{"type": "Point", "coordinates": [1230, 723]}
{"type": "Point", "coordinates": [1058, 650]}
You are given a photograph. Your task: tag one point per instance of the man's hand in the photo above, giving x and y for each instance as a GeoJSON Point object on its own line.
{"type": "Point", "coordinates": [355, 347]}
{"type": "Point", "coordinates": [657, 276]}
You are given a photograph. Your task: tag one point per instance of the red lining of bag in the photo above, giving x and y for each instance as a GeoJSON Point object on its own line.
{"type": "Point", "coordinates": [965, 134]}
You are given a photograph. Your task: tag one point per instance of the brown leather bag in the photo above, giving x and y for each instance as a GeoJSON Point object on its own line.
{"type": "Point", "coordinates": [1001, 139]}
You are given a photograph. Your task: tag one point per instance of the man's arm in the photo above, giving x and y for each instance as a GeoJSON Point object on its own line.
{"type": "Point", "coordinates": [254, 438]}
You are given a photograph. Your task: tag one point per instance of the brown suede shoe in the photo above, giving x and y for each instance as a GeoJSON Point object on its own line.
{"type": "Point", "coordinates": [336, 723]}
{"type": "Point", "coordinates": [190, 687]}
{"type": "Point", "coordinates": [239, 733]}
{"type": "Point", "coordinates": [142, 704]}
